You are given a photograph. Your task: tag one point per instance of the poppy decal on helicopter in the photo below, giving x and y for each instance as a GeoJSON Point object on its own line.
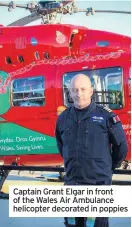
{"type": "Point", "coordinates": [60, 38]}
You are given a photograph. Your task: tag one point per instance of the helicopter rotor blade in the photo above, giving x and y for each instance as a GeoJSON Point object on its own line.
{"type": "Point", "coordinates": [106, 11]}
{"type": "Point", "coordinates": [50, 10]}
{"type": "Point", "coordinates": [17, 5]}
{"type": "Point", "coordinates": [28, 19]}
{"type": "Point", "coordinates": [25, 20]}
{"type": "Point", "coordinates": [38, 12]}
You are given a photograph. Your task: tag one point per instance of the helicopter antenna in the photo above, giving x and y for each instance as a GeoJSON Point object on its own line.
{"type": "Point", "coordinates": [48, 11]}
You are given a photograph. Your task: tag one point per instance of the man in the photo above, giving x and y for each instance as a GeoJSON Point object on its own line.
{"type": "Point", "coordinates": [91, 140]}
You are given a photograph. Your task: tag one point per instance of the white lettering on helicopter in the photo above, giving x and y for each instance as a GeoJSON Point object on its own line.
{"type": "Point", "coordinates": [35, 139]}
{"type": "Point", "coordinates": [18, 139]}
{"type": "Point", "coordinates": [23, 148]}
{"type": "Point", "coordinates": [22, 139]}
{"type": "Point", "coordinates": [6, 148]}
{"type": "Point", "coordinates": [7, 140]}
{"type": "Point", "coordinates": [63, 61]}
{"type": "Point", "coordinates": [29, 148]}
{"type": "Point", "coordinates": [34, 147]}
{"type": "Point", "coordinates": [31, 139]}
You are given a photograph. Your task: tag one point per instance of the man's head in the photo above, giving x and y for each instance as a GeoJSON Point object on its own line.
{"type": "Point", "coordinates": [81, 91]}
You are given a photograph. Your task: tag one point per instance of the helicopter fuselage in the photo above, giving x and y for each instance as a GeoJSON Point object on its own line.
{"type": "Point", "coordinates": [36, 66]}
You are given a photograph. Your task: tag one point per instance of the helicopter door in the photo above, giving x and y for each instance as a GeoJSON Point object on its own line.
{"type": "Point", "coordinates": [30, 113]}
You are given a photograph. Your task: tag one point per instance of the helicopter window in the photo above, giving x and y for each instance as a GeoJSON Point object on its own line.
{"type": "Point", "coordinates": [8, 60]}
{"type": "Point", "coordinates": [46, 55]}
{"type": "Point", "coordinates": [21, 59]}
{"type": "Point", "coordinates": [107, 84]}
{"type": "Point", "coordinates": [37, 55]}
{"type": "Point", "coordinates": [28, 92]}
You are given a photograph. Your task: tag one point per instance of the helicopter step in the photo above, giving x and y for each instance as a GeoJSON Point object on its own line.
{"type": "Point", "coordinates": [3, 176]}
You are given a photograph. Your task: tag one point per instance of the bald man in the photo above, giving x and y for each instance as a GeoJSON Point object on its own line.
{"type": "Point", "coordinates": [81, 91]}
{"type": "Point", "coordinates": [91, 140]}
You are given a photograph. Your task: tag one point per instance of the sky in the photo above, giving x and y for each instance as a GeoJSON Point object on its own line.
{"type": "Point", "coordinates": [117, 23]}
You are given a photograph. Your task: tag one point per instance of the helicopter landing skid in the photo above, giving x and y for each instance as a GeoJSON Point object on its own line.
{"type": "Point", "coordinates": [3, 176]}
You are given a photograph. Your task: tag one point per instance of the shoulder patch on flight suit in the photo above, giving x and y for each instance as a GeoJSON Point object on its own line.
{"type": "Point", "coordinates": [107, 109]}
{"type": "Point", "coordinates": [116, 119]}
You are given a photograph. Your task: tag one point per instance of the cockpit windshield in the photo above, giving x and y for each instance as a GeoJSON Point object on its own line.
{"type": "Point", "coordinates": [107, 84]}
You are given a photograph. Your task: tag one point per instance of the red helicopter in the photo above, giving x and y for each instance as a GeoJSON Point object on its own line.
{"type": "Point", "coordinates": [36, 66]}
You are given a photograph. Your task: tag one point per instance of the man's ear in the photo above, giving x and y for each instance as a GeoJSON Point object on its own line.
{"type": "Point", "coordinates": [91, 92]}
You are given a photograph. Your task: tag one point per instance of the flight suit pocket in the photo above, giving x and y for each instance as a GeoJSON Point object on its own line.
{"type": "Point", "coordinates": [95, 145]}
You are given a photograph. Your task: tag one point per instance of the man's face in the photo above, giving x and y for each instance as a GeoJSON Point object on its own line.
{"type": "Point", "coordinates": [81, 91]}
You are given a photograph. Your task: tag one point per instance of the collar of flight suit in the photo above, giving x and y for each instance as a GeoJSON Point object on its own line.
{"type": "Point", "coordinates": [90, 110]}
